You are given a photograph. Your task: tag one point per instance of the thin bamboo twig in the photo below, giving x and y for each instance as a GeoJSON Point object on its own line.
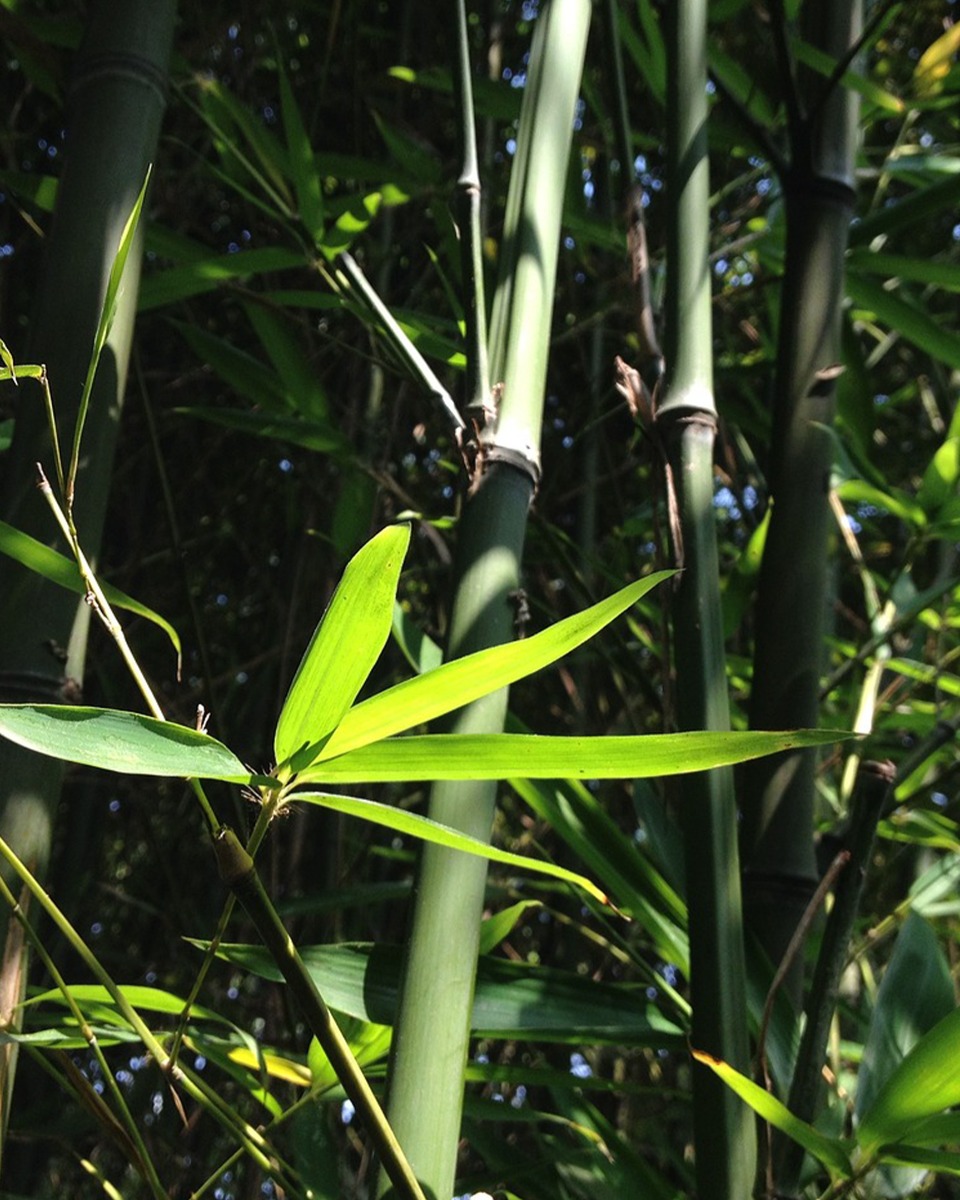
{"type": "Point", "coordinates": [470, 203]}
{"type": "Point", "coordinates": [253, 1141]}
{"type": "Point", "coordinates": [127, 1126]}
{"type": "Point", "coordinates": [783, 970]}
{"type": "Point", "coordinates": [351, 275]}
{"type": "Point", "coordinates": [876, 780]}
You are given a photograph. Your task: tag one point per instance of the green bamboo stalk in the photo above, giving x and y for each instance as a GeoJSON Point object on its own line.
{"type": "Point", "coordinates": [113, 122]}
{"type": "Point", "coordinates": [778, 796]}
{"type": "Point", "coordinates": [724, 1130]}
{"type": "Point", "coordinates": [433, 1025]}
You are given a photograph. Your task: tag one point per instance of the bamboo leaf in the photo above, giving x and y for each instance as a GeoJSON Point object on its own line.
{"type": "Point", "coordinates": [209, 273]}
{"type": "Point", "coordinates": [497, 928]}
{"type": "Point", "coordinates": [900, 266]}
{"type": "Point", "coordinates": [924, 204]}
{"type": "Point", "coordinates": [222, 110]}
{"type": "Point", "coordinates": [350, 224]}
{"type": "Point", "coordinates": [941, 477]}
{"type": "Point", "coordinates": [926, 1082]}
{"type": "Point", "coordinates": [935, 63]}
{"type": "Point", "coordinates": [894, 500]}
{"type": "Point", "coordinates": [916, 992]}
{"type": "Point", "coordinates": [913, 323]}
{"type": "Point", "coordinates": [58, 569]}
{"type": "Point", "coordinates": [7, 359]}
{"type": "Point", "coordinates": [466, 679]}
{"type": "Point", "coordinates": [426, 830]}
{"type": "Point", "coordinates": [127, 742]}
{"type": "Point", "coordinates": [240, 370]}
{"type": "Point", "coordinates": [93, 998]}
{"type": "Point", "coordinates": [872, 92]}
{"type": "Point", "coordinates": [105, 324]}
{"type": "Point", "coordinates": [301, 382]}
{"type": "Point", "coordinates": [578, 817]}
{"type": "Point", "coordinates": [511, 999]}
{"type": "Point", "coordinates": [419, 649]}
{"type": "Point", "coordinates": [944, 1162]}
{"type": "Point", "coordinates": [499, 756]}
{"type": "Point", "coordinates": [346, 644]}
{"type": "Point", "coordinates": [829, 1151]}
{"type": "Point", "coordinates": [492, 98]}
{"type": "Point", "coordinates": [38, 190]}
{"type": "Point", "coordinates": [411, 154]}
{"type": "Point", "coordinates": [303, 168]}
{"type": "Point", "coordinates": [312, 435]}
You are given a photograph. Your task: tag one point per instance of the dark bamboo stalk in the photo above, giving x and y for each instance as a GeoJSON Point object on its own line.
{"type": "Point", "coordinates": [778, 795]}
{"type": "Point", "coordinates": [875, 784]}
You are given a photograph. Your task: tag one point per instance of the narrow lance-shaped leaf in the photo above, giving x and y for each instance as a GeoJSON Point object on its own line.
{"type": "Point", "coordinates": [62, 570]}
{"type": "Point", "coordinates": [107, 314]}
{"type": "Point", "coordinates": [829, 1151]}
{"type": "Point", "coordinates": [346, 644]}
{"type": "Point", "coordinates": [913, 323]}
{"type": "Point", "coordinates": [499, 756]}
{"type": "Point", "coordinates": [466, 679]}
{"type": "Point", "coordinates": [130, 743]}
{"type": "Point", "coordinates": [303, 168]}
{"type": "Point", "coordinates": [442, 835]}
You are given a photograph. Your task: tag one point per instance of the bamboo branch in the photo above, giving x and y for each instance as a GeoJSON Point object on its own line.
{"type": "Point", "coordinates": [238, 872]}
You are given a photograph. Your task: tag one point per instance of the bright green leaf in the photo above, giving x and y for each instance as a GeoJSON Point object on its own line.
{"type": "Point", "coordinates": [934, 64]}
{"type": "Point", "coordinates": [498, 927]}
{"type": "Point", "coordinates": [346, 644]}
{"type": "Point", "coordinates": [426, 830]}
{"type": "Point", "coordinates": [830, 1152]}
{"type": "Point", "coordinates": [127, 742]}
{"type": "Point", "coordinates": [144, 999]}
{"type": "Point", "coordinates": [464, 680]}
{"type": "Point", "coordinates": [915, 993]}
{"type": "Point", "coordinates": [940, 478]}
{"type": "Point", "coordinates": [7, 359]}
{"type": "Point", "coordinates": [420, 650]}
{"type": "Point", "coordinates": [893, 500]}
{"type": "Point", "coordinates": [500, 756]}
{"type": "Point", "coordinates": [350, 224]}
{"type": "Point", "coordinates": [926, 1082]}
